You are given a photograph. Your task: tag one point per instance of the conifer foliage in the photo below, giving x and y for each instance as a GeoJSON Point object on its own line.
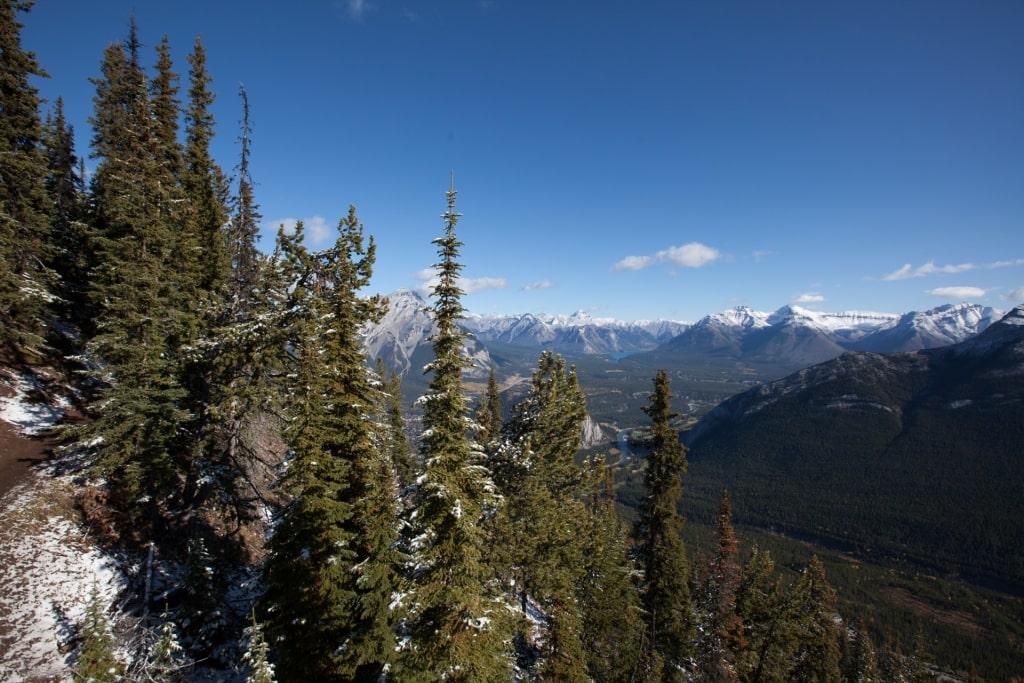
{"type": "Point", "coordinates": [332, 552]}
{"type": "Point", "coordinates": [24, 203]}
{"type": "Point", "coordinates": [455, 617]}
{"type": "Point", "coordinates": [141, 316]}
{"type": "Point", "coordinates": [660, 550]}
{"type": "Point", "coordinates": [537, 527]}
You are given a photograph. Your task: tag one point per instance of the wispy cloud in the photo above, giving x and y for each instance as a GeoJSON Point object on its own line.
{"type": "Point", "coordinates": [1006, 264]}
{"type": "Point", "coordinates": [809, 298]}
{"type": "Point", "coordinates": [1014, 295]}
{"type": "Point", "coordinates": [957, 292]}
{"type": "Point", "coordinates": [691, 255]}
{"type": "Point", "coordinates": [428, 280]}
{"type": "Point", "coordinates": [318, 230]}
{"type": "Point", "coordinates": [909, 271]}
{"type": "Point", "coordinates": [761, 254]}
{"type": "Point", "coordinates": [539, 284]}
{"type": "Point", "coordinates": [357, 9]}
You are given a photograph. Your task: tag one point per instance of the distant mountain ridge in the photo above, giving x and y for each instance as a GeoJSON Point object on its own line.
{"type": "Point", "coordinates": [792, 337]}
{"type": "Point", "coordinates": [407, 327]}
{"type": "Point", "coordinates": [798, 337]}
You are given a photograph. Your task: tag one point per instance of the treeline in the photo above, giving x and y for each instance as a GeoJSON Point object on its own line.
{"type": "Point", "coordinates": [227, 397]}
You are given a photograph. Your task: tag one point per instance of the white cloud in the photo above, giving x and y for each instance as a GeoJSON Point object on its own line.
{"type": "Point", "coordinates": [908, 271]}
{"type": "Point", "coordinates": [761, 255]}
{"type": "Point", "coordinates": [428, 280]}
{"type": "Point", "coordinates": [540, 284]}
{"type": "Point", "coordinates": [691, 255]}
{"type": "Point", "coordinates": [633, 263]}
{"type": "Point", "coordinates": [1014, 295]}
{"type": "Point", "coordinates": [481, 284]}
{"type": "Point", "coordinates": [1007, 264]}
{"type": "Point", "coordinates": [809, 298]}
{"type": "Point", "coordinates": [318, 231]}
{"type": "Point", "coordinates": [957, 292]}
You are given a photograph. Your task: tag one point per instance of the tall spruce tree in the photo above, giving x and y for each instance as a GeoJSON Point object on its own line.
{"type": "Point", "coordinates": [332, 568]}
{"type": "Point", "coordinates": [814, 621]}
{"type": "Point", "coordinates": [69, 232]}
{"type": "Point", "coordinates": [25, 280]}
{"type": "Point", "coordinates": [490, 415]}
{"type": "Point", "coordinates": [212, 341]}
{"type": "Point", "coordinates": [541, 484]}
{"type": "Point", "coordinates": [765, 610]}
{"type": "Point", "coordinates": [660, 551]}
{"type": "Point", "coordinates": [242, 352]}
{"type": "Point", "coordinates": [204, 184]}
{"type": "Point", "coordinates": [859, 657]}
{"type": "Point", "coordinates": [610, 602]}
{"type": "Point", "coordinates": [243, 229]}
{"type": "Point", "coordinates": [454, 613]}
{"type": "Point", "coordinates": [166, 109]}
{"type": "Point", "coordinates": [136, 290]}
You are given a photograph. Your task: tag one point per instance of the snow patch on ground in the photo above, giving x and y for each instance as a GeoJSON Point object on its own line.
{"type": "Point", "coordinates": [48, 570]}
{"type": "Point", "coordinates": [31, 418]}
{"type": "Point", "coordinates": [48, 566]}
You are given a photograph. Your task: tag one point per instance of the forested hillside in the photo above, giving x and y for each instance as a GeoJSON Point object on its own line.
{"type": "Point", "coordinates": [245, 461]}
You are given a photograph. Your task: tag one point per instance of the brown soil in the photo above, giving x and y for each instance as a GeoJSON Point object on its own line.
{"type": "Point", "coordinates": [17, 455]}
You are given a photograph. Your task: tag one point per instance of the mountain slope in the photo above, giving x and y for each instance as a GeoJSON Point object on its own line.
{"type": "Point", "coordinates": [909, 456]}
{"type": "Point", "coordinates": [792, 338]}
{"type": "Point", "coordinates": [575, 334]}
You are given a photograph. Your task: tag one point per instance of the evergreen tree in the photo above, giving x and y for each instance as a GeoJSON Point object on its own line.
{"type": "Point", "coordinates": [203, 618]}
{"type": "Point", "coordinates": [490, 415]}
{"type": "Point", "coordinates": [69, 231]}
{"type": "Point", "coordinates": [612, 618]}
{"type": "Point", "coordinates": [243, 229]}
{"type": "Point", "coordinates": [537, 526]}
{"type": "Point", "coordinates": [257, 656]}
{"type": "Point", "coordinates": [332, 568]}
{"type": "Point", "coordinates": [816, 631]}
{"type": "Point", "coordinates": [393, 440]}
{"type": "Point", "coordinates": [455, 618]}
{"type": "Point", "coordinates": [96, 662]}
{"type": "Point", "coordinates": [722, 632]}
{"type": "Point", "coordinates": [24, 204]}
{"type": "Point", "coordinates": [763, 607]}
{"type": "Point", "coordinates": [234, 364]}
{"type": "Point", "coordinates": [660, 551]}
{"type": "Point", "coordinates": [166, 107]}
{"type": "Point", "coordinates": [205, 241]}
{"type": "Point", "coordinates": [860, 661]}
{"type": "Point", "coordinates": [167, 659]}
{"type": "Point", "coordinates": [140, 311]}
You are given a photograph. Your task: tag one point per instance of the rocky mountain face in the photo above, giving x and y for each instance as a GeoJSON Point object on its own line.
{"type": "Point", "coordinates": [791, 336]}
{"type": "Point", "coordinates": [796, 337]}
{"type": "Point", "coordinates": [402, 337]}
{"type": "Point", "coordinates": [910, 454]}
{"type": "Point", "coordinates": [575, 334]}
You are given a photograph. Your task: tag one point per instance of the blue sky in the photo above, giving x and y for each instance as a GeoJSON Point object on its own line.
{"type": "Point", "coordinates": [662, 159]}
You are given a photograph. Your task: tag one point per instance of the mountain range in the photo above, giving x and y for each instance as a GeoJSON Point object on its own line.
{"type": "Point", "coordinates": [790, 337]}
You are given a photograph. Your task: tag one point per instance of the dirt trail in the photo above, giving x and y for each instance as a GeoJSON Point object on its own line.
{"type": "Point", "coordinates": [17, 455]}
